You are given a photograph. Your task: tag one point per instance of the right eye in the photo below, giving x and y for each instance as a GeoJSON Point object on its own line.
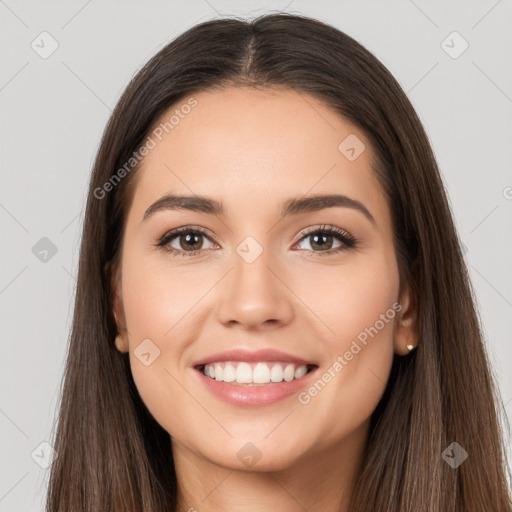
{"type": "Point", "coordinates": [179, 240]}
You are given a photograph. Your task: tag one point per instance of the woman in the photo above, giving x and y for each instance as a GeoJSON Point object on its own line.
{"type": "Point", "coordinates": [272, 310]}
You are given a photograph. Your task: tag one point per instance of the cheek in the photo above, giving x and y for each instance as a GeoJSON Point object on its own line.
{"type": "Point", "coordinates": [357, 307]}
{"type": "Point", "coordinates": [348, 299]}
{"type": "Point", "coordinates": [158, 296]}
{"type": "Point", "coordinates": [157, 305]}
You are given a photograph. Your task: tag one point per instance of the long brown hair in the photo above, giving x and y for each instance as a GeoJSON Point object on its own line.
{"type": "Point", "coordinates": [113, 455]}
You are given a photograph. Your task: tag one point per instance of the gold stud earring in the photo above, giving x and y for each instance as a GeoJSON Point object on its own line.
{"type": "Point", "coordinates": [119, 343]}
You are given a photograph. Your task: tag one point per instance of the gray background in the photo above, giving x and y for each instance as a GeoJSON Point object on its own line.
{"type": "Point", "coordinates": [54, 111]}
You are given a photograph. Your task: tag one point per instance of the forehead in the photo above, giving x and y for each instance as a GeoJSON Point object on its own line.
{"type": "Point", "coordinates": [253, 147]}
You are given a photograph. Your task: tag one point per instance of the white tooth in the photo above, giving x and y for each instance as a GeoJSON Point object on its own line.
{"type": "Point", "coordinates": [244, 373]}
{"type": "Point", "coordinates": [229, 373]}
{"type": "Point", "coordinates": [300, 371]}
{"type": "Point", "coordinates": [289, 372]}
{"type": "Point", "coordinates": [276, 374]}
{"type": "Point", "coordinates": [218, 372]}
{"type": "Point", "coordinates": [261, 374]}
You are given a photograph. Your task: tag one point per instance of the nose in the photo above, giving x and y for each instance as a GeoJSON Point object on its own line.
{"type": "Point", "coordinates": [254, 294]}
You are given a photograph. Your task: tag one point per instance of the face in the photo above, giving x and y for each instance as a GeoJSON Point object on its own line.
{"type": "Point", "coordinates": [316, 289]}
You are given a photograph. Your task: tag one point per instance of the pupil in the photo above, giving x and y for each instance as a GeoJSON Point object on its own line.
{"type": "Point", "coordinates": [188, 237]}
{"type": "Point", "coordinates": [322, 244]}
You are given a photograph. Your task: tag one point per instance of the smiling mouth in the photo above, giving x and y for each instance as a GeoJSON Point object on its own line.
{"type": "Point", "coordinates": [241, 373]}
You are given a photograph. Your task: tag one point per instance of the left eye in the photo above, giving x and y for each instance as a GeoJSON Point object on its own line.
{"type": "Point", "coordinates": [322, 241]}
{"type": "Point", "coordinates": [322, 238]}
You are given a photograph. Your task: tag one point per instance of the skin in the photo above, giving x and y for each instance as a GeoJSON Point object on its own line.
{"type": "Point", "coordinates": [252, 150]}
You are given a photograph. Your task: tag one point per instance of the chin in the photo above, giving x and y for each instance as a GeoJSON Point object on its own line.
{"type": "Point", "coordinates": [255, 456]}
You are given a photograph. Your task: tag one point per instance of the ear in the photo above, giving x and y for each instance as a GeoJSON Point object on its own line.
{"type": "Point", "coordinates": [118, 310]}
{"type": "Point", "coordinates": [406, 327]}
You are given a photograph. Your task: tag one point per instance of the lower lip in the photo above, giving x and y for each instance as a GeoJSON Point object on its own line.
{"type": "Point", "coordinates": [255, 395]}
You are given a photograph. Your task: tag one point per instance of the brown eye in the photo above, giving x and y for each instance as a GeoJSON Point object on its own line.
{"type": "Point", "coordinates": [328, 240]}
{"type": "Point", "coordinates": [184, 242]}
{"type": "Point", "coordinates": [190, 241]}
{"type": "Point", "coordinates": [321, 241]}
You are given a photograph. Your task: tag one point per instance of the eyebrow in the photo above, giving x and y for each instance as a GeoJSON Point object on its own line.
{"type": "Point", "coordinates": [293, 206]}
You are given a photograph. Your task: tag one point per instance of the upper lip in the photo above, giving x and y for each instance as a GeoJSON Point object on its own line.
{"type": "Point", "coordinates": [268, 354]}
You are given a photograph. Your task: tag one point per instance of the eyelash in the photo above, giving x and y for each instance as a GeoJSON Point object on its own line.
{"type": "Point", "coordinates": [347, 240]}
